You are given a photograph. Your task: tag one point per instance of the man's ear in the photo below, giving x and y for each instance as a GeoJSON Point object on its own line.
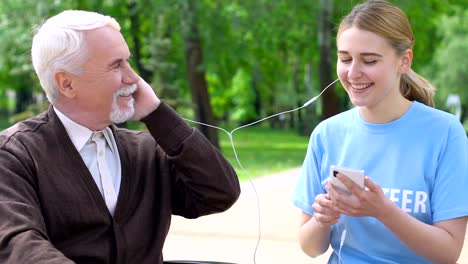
{"type": "Point", "coordinates": [64, 83]}
{"type": "Point", "coordinates": [406, 61]}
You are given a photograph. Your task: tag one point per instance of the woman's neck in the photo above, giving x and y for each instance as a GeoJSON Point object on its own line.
{"type": "Point", "coordinates": [385, 112]}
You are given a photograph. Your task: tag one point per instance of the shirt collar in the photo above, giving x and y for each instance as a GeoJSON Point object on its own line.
{"type": "Point", "coordinates": [109, 138]}
{"type": "Point", "coordinates": [79, 134]}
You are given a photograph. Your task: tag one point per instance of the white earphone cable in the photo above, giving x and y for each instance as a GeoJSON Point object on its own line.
{"type": "Point", "coordinates": [231, 138]}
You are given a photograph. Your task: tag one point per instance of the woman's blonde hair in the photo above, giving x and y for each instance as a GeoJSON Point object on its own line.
{"type": "Point", "coordinates": [388, 21]}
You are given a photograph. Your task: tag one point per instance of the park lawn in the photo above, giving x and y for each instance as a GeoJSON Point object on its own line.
{"type": "Point", "coordinates": [263, 150]}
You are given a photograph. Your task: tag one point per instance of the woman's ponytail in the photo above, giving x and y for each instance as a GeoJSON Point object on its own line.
{"type": "Point", "coordinates": [415, 88]}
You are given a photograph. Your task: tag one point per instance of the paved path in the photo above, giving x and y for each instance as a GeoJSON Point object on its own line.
{"type": "Point", "coordinates": [232, 236]}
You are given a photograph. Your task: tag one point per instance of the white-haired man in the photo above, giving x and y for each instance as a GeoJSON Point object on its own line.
{"type": "Point", "coordinates": [74, 187]}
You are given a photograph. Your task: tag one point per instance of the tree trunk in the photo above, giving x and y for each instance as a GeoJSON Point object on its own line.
{"type": "Point", "coordinates": [329, 98]}
{"type": "Point", "coordinates": [309, 119]}
{"type": "Point", "coordinates": [196, 71]}
{"type": "Point", "coordinates": [257, 102]}
{"type": "Point", "coordinates": [298, 91]}
{"type": "Point", "coordinates": [23, 98]}
{"type": "Point", "coordinates": [133, 12]}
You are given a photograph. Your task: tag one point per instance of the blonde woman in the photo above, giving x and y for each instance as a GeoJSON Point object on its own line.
{"type": "Point", "coordinates": [413, 208]}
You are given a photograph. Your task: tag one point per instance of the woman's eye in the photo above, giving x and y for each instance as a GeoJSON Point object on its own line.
{"type": "Point", "coordinates": [345, 60]}
{"type": "Point", "coordinates": [370, 62]}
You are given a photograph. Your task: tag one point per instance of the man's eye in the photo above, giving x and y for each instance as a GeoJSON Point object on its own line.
{"type": "Point", "coordinates": [116, 66]}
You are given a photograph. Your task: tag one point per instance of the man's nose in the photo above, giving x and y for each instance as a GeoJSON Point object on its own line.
{"type": "Point", "coordinates": [130, 76]}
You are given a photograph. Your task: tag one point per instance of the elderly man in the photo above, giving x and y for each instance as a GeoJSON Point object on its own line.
{"type": "Point", "coordinates": [74, 188]}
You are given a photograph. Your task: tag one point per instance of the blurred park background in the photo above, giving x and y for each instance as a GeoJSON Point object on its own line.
{"type": "Point", "coordinates": [229, 63]}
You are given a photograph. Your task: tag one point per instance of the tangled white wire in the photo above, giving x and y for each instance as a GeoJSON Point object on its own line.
{"type": "Point", "coordinates": [231, 138]}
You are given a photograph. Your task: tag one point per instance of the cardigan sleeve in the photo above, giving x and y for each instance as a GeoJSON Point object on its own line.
{"type": "Point", "coordinates": [204, 182]}
{"type": "Point", "coordinates": [23, 236]}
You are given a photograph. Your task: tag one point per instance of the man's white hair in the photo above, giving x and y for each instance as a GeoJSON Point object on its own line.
{"type": "Point", "coordinates": [58, 45]}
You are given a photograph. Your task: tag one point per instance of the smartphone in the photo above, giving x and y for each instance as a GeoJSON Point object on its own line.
{"type": "Point", "coordinates": [356, 176]}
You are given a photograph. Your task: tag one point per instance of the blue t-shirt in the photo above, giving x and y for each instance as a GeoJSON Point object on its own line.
{"type": "Point", "coordinates": [420, 160]}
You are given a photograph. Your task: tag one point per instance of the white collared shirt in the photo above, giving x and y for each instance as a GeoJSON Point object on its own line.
{"type": "Point", "coordinates": [81, 138]}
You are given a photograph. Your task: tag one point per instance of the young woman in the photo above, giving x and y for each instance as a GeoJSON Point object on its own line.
{"type": "Point", "coordinates": [413, 208]}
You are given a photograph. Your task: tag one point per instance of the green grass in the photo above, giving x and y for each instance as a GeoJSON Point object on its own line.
{"type": "Point", "coordinates": [263, 151]}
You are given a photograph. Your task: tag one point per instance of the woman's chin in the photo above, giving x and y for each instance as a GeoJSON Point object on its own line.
{"type": "Point", "coordinates": [359, 103]}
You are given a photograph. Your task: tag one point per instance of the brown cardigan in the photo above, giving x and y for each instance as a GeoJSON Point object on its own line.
{"type": "Point", "coordinates": [52, 212]}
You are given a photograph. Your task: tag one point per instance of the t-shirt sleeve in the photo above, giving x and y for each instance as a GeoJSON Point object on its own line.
{"type": "Point", "coordinates": [308, 184]}
{"type": "Point", "coordinates": [450, 193]}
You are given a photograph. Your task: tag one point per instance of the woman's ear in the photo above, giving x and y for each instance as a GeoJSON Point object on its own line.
{"type": "Point", "coordinates": [63, 80]}
{"type": "Point", "coordinates": [406, 61]}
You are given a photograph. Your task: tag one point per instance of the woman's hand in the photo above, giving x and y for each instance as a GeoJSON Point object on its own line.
{"type": "Point", "coordinates": [324, 213]}
{"type": "Point", "coordinates": [368, 202]}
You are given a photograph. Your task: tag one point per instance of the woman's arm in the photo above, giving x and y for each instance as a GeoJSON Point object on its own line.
{"type": "Point", "coordinates": [441, 242]}
{"type": "Point", "coordinates": [314, 233]}
{"type": "Point", "coordinates": [313, 238]}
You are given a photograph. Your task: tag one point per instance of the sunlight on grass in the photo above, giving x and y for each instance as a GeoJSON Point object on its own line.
{"type": "Point", "coordinates": [264, 151]}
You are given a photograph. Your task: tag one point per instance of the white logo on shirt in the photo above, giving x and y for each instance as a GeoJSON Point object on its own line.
{"type": "Point", "coordinates": [411, 201]}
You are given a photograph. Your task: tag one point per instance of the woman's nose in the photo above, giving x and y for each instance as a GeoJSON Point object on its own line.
{"type": "Point", "coordinates": [354, 71]}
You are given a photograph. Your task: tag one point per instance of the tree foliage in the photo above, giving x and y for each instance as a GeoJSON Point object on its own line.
{"type": "Point", "coordinates": [448, 68]}
{"type": "Point", "coordinates": [260, 56]}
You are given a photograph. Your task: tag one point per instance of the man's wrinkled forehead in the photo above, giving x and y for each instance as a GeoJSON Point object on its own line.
{"type": "Point", "coordinates": [105, 46]}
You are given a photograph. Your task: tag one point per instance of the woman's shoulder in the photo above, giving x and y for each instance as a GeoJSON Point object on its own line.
{"type": "Point", "coordinates": [340, 120]}
{"type": "Point", "coordinates": [434, 115]}
{"type": "Point", "coordinates": [432, 112]}
{"type": "Point", "coordinates": [437, 120]}
{"type": "Point", "coordinates": [337, 124]}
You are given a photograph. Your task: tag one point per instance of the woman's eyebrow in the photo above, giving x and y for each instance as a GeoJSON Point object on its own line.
{"type": "Point", "coordinates": [362, 53]}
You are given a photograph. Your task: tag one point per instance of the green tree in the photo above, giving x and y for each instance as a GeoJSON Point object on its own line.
{"type": "Point", "coordinates": [268, 50]}
{"type": "Point", "coordinates": [448, 68]}
{"type": "Point", "coordinates": [196, 69]}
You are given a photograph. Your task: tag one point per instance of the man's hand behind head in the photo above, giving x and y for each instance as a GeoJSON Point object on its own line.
{"type": "Point", "coordinates": [146, 100]}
